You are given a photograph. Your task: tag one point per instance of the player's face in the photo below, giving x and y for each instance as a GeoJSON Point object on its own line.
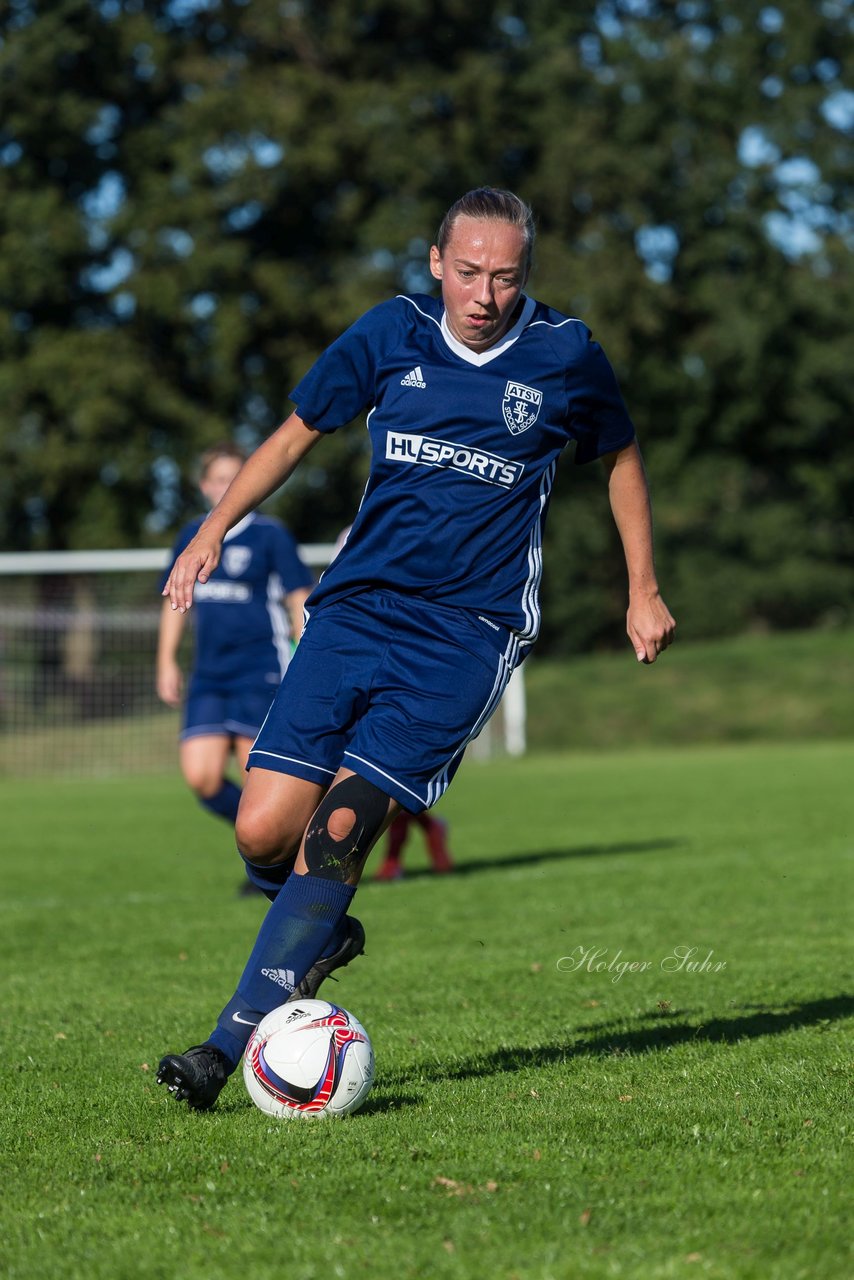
{"type": "Point", "coordinates": [218, 477]}
{"type": "Point", "coordinates": [483, 271]}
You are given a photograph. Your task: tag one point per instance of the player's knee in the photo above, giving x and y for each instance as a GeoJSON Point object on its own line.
{"type": "Point", "coordinates": [344, 827]}
{"type": "Point", "coordinates": [263, 842]}
{"type": "Point", "coordinates": [340, 823]}
{"type": "Point", "coordinates": [204, 782]}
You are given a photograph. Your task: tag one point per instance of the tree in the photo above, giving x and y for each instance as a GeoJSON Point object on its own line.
{"type": "Point", "coordinates": [197, 196]}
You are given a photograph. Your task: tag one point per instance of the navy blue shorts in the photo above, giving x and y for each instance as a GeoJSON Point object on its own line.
{"type": "Point", "coordinates": [391, 687]}
{"type": "Point", "coordinates": [232, 710]}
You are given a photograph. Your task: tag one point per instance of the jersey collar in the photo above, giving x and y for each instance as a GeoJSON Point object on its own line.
{"type": "Point", "coordinates": [240, 526]}
{"type": "Point", "coordinates": [491, 353]}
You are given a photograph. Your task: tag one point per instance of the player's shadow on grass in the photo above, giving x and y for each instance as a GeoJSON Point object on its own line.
{"type": "Point", "coordinates": [663, 1033]}
{"type": "Point", "coordinates": [534, 856]}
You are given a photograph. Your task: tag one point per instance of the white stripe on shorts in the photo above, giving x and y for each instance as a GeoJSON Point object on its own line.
{"type": "Point", "coordinates": [506, 662]}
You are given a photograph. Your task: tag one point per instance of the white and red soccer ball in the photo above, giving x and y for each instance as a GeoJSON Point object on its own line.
{"type": "Point", "coordinates": [308, 1058]}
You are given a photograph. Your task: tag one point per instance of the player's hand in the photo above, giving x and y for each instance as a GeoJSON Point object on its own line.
{"type": "Point", "coordinates": [170, 682]}
{"type": "Point", "coordinates": [650, 626]}
{"type": "Point", "coordinates": [196, 563]}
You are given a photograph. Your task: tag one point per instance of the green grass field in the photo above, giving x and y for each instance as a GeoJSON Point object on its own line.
{"type": "Point", "coordinates": [534, 1116]}
{"type": "Point", "coordinates": [792, 686]}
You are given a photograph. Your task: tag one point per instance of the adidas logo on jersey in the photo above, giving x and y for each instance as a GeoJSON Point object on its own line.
{"type": "Point", "coordinates": [415, 378]}
{"type": "Point", "coordinates": [281, 977]}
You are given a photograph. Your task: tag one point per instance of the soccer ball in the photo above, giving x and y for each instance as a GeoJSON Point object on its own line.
{"type": "Point", "coordinates": [308, 1058]}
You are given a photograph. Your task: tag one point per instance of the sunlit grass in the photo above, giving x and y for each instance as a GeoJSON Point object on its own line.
{"type": "Point", "coordinates": [540, 1109]}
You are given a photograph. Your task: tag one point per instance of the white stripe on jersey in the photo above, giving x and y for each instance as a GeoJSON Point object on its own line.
{"type": "Point", "coordinates": [405, 298]}
{"type": "Point", "coordinates": [548, 323]}
{"type": "Point", "coordinates": [279, 623]}
{"type": "Point", "coordinates": [531, 591]}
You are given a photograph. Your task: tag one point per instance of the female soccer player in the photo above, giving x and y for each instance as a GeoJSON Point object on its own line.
{"type": "Point", "coordinates": [241, 642]}
{"type": "Point", "coordinates": [416, 626]}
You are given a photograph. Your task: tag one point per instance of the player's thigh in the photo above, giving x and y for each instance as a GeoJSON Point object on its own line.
{"type": "Point", "coordinates": [274, 812]}
{"type": "Point", "coordinates": [203, 762]}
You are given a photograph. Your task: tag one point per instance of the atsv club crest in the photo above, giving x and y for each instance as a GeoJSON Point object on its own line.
{"type": "Point", "coordinates": [520, 406]}
{"type": "Point", "coordinates": [235, 560]}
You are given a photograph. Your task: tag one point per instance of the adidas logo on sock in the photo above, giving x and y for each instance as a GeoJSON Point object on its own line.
{"type": "Point", "coordinates": [281, 977]}
{"type": "Point", "coordinates": [415, 378]}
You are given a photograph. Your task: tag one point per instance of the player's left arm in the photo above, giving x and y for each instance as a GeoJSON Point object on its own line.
{"type": "Point", "coordinates": [649, 623]}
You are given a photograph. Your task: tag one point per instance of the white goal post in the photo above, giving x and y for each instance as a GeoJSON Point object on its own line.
{"type": "Point", "coordinates": [78, 643]}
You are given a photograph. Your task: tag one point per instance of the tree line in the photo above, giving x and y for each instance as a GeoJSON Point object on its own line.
{"type": "Point", "coordinates": [197, 196]}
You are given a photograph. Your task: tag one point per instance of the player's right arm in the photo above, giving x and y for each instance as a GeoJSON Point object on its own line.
{"type": "Point", "coordinates": [170, 679]}
{"type": "Point", "coordinates": [268, 467]}
{"type": "Point", "coordinates": [649, 622]}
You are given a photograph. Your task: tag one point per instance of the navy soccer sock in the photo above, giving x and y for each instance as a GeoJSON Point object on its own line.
{"type": "Point", "coordinates": [269, 879]}
{"type": "Point", "coordinates": [224, 803]}
{"type": "Point", "coordinates": [298, 928]}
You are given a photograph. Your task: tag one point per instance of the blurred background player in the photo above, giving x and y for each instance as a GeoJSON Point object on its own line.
{"type": "Point", "coordinates": [247, 616]}
{"type": "Point", "coordinates": [435, 838]}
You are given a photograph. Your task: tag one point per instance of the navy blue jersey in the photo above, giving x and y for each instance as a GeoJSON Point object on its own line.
{"type": "Point", "coordinates": [241, 625]}
{"type": "Point", "coordinates": [464, 448]}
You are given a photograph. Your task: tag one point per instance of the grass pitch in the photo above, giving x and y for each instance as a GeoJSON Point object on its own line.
{"type": "Point", "coordinates": [613, 1044]}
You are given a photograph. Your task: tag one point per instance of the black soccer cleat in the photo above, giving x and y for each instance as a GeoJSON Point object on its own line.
{"type": "Point", "coordinates": [196, 1077]}
{"type": "Point", "coordinates": [352, 946]}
